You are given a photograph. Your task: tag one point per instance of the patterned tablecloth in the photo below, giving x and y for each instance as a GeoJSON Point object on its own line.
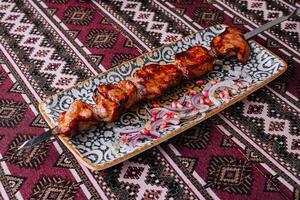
{"type": "Point", "coordinates": [249, 151]}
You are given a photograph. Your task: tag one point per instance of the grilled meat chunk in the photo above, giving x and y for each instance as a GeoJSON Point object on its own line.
{"type": "Point", "coordinates": [111, 100]}
{"type": "Point", "coordinates": [157, 79]}
{"type": "Point", "coordinates": [194, 62]}
{"type": "Point", "coordinates": [231, 43]}
{"type": "Point", "coordinates": [80, 116]}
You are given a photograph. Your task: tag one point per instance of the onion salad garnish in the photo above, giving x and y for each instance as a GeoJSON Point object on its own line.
{"type": "Point", "coordinates": [162, 118]}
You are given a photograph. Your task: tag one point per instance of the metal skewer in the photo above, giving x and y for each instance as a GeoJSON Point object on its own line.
{"type": "Point", "coordinates": [270, 24]}
{"type": "Point", "coordinates": [38, 139]}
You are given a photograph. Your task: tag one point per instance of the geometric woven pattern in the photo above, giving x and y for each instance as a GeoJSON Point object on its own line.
{"type": "Point", "coordinates": [34, 41]}
{"type": "Point", "coordinates": [2, 77]}
{"type": "Point", "coordinates": [271, 14]}
{"type": "Point", "coordinates": [229, 174]}
{"type": "Point", "coordinates": [142, 19]}
{"type": "Point", "coordinates": [152, 25]}
{"type": "Point", "coordinates": [40, 53]}
{"type": "Point", "coordinates": [64, 161]}
{"type": "Point", "coordinates": [146, 176]}
{"type": "Point", "coordinates": [15, 182]}
{"type": "Point", "coordinates": [249, 151]}
{"type": "Point", "coordinates": [119, 58]}
{"type": "Point", "coordinates": [78, 16]}
{"type": "Point", "coordinates": [272, 125]}
{"type": "Point", "coordinates": [54, 188]}
{"type": "Point", "coordinates": [11, 112]}
{"type": "Point", "coordinates": [262, 6]}
{"type": "Point", "coordinates": [227, 141]}
{"type": "Point", "coordinates": [210, 16]}
{"type": "Point", "coordinates": [195, 138]}
{"type": "Point", "coordinates": [275, 130]}
{"type": "Point", "coordinates": [101, 38]}
{"type": "Point", "coordinates": [252, 156]}
{"type": "Point", "coordinates": [271, 184]}
{"type": "Point", "coordinates": [16, 88]}
{"type": "Point", "coordinates": [135, 173]}
{"type": "Point", "coordinates": [188, 163]}
{"type": "Point", "coordinates": [27, 158]}
{"type": "Point", "coordinates": [39, 121]}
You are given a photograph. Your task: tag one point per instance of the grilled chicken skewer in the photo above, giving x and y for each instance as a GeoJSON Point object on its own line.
{"type": "Point", "coordinates": [150, 82]}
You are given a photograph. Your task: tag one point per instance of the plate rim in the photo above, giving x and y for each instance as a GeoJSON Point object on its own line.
{"type": "Point", "coordinates": [171, 134]}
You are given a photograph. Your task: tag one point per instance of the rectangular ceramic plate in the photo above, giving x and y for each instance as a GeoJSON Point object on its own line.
{"type": "Point", "coordinates": [101, 147]}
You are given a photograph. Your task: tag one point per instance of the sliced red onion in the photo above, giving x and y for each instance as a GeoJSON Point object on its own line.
{"type": "Point", "coordinates": [241, 85]}
{"type": "Point", "coordinates": [154, 134]}
{"type": "Point", "coordinates": [207, 86]}
{"type": "Point", "coordinates": [211, 92]}
{"type": "Point", "coordinates": [196, 103]}
{"type": "Point", "coordinates": [160, 111]}
{"type": "Point", "coordinates": [233, 92]}
{"type": "Point", "coordinates": [182, 100]}
{"type": "Point", "coordinates": [184, 109]}
{"type": "Point", "coordinates": [128, 132]}
{"type": "Point", "coordinates": [235, 87]}
{"type": "Point", "coordinates": [185, 113]}
{"type": "Point", "coordinates": [173, 121]}
{"type": "Point", "coordinates": [156, 124]}
{"type": "Point", "coordinates": [133, 141]}
{"type": "Point", "coordinates": [205, 93]}
{"type": "Point", "coordinates": [189, 115]}
{"type": "Point", "coordinates": [148, 111]}
{"type": "Point", "coordinates": [212, 108]}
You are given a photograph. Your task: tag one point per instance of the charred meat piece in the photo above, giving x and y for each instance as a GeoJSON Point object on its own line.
{"type": "Point", "coordinates": [157, 79]}
{"type": "Point", "coordinates": [113, 99]}
{"type": "Point", "coordinates": [231, 43]}
{"type": "Point", "coordinates": [105, 108]}
{"type": "Point", "coordinates": [194, 62]}
{"type": "Point", "coordinates": [79, 117]}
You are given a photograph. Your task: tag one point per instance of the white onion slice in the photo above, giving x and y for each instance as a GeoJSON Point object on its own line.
{"type": "Point", "coordinates": [213, 89]}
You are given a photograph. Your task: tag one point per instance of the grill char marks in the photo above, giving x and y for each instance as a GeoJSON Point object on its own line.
{"type": "Point", "coordinates": [157, 79]}
{"type": "Point", "coordinates": [113, 99]}
{"type": "Point", "coordinates": [194, 62]}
